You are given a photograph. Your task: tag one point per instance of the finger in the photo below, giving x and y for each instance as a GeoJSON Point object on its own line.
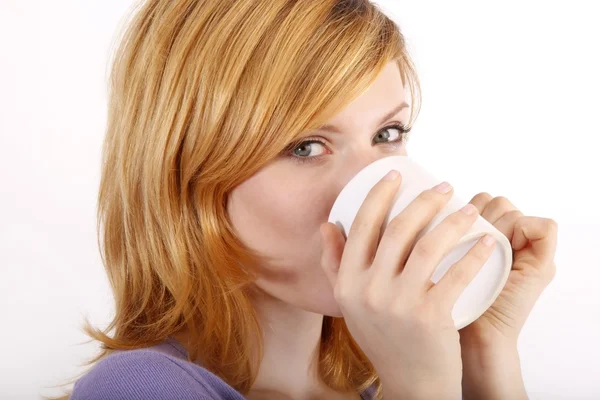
{"type": "Point", "coordinates": [333, 246]}
{"type": "Point", "coordinates": [481, 200]}
{"type": "Point", "coordinates": [329, 252]}
{"type": "Point", "coordinates": [459, 275]}
{"type": "Point", "coordinates": [364, 232]}
{"type": "Point", "coordinates": [399, 235]}
{"type": "Point", "coordinates": [497, 208]}
{"type": "Point", "coordinates": [498, 211]}
{"type": "Point", "coordinates": [506, 223]}
{"type": "Point", "coordinates": [429, 251]}
{"type": "Point", "coordinates": [542, 233]}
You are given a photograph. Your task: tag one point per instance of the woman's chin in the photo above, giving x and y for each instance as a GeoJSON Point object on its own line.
{"type": "Point", "coordinates": [335, 314]}
{"type": "Point", "coordinates": [328, 308]}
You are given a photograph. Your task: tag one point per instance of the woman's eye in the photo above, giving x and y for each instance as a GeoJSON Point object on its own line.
{"type": "Point", "coordinates": [309, 148]}
{"type": "Point", "coordinates": [389, 134]}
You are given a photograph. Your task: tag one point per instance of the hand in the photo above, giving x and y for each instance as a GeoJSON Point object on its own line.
{"type": "Point", "coordinates": [533, 240]}
{"type": "Point", "coordinates": [397, 315]}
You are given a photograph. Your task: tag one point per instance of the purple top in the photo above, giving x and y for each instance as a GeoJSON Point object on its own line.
{"type": "Point", "coordinates": [155, 373]}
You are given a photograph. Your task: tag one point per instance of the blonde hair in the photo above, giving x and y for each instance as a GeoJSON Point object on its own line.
{"type": "Point", "coordinates": [202, 95]}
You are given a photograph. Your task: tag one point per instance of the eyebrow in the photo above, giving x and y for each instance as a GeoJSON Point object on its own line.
{"type": "Point", "coordinates": [334, 129]}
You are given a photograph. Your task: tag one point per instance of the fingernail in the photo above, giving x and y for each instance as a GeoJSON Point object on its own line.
{"type": "Point", "coordinates": [443, 187]}
{"type": "Point", "coordinates": [469, 209]}
{"type": "Point", "coordinates": [391, 176]}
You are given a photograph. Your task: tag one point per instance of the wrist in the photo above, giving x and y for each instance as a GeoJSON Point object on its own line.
{"type": "Point", "coordinates": [492, 373]}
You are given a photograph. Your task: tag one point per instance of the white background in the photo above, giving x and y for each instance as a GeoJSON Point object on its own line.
{"type": "Point", "coordinates": [511, 106]}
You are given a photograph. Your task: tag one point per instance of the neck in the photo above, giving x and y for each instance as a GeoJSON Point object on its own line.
{"type": "Point", "coordinates": [289, 366]}
{"type": "Point", "coordinates": [290, 349]}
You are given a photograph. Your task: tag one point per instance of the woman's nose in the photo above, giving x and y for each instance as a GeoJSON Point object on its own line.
{"type": "Point", "coordinates": [352, 165]}
{"type": "Point", "coordinates": [355, 164]}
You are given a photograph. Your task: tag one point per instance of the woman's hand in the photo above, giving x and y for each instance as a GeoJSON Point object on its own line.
{"type": "Point", "coordinates": [396, 314]}
{"type": "Point", "coordinates": [533, 241]}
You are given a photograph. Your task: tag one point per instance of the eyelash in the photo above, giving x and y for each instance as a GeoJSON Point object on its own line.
{"type": "Point", "coordinates": [288, 152]}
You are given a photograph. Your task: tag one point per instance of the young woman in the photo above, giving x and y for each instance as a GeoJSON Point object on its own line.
{"type": "Point", "coordinates": [233, 125]}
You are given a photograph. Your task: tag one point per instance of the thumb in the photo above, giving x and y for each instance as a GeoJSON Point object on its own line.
{"type": "Point", "coordinates": [333, 242]}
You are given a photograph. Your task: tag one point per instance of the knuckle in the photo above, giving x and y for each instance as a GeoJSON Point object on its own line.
{"type": "Point", "coordinates": [372, 301]}
{"type": "Point", "coordinates": [483, 196]}
{"type": "Point", "coordinates": [359, 227]}
{"type": "Point", "coordinates": [423, 249]}
{"type": "Point", "coordinates": [502, 201]}
{"type": "Point", "coordinates": [429, 196]}
{"type": "Point", "coordinates": [519, 224]}
{"type": "Point", "coordinates": [397, 225]}
{"type": "Point", "coordinates": [513, 215]}
{"type": "Point", "coordinates": [458, 273]}
{"type": "Point", "coordinates": [457, 221]}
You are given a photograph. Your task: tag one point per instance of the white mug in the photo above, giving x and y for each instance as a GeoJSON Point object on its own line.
{"type": "Point", "coordinates": [485, 287]}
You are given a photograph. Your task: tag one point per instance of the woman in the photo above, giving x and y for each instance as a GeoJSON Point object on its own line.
{"type": "Point", "coordinates": [233, 125]}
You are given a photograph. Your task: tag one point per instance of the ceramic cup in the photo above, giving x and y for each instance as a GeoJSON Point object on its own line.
{"type": "Point", "coordinates": [485, 287]}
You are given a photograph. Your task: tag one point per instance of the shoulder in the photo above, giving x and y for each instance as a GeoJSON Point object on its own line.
{"type": "Point", "coordinates": [151, 373]}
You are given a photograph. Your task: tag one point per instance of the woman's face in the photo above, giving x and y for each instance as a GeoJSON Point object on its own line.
{"type": "Point", "coordinates": [278, 211]}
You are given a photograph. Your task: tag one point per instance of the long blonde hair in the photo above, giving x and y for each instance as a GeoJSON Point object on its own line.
{"type": "Point", "coordinates": [202, 95]}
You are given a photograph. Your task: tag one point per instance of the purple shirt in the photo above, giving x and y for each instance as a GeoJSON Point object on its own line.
{"type": "Point", "coordinates": [153, 373]}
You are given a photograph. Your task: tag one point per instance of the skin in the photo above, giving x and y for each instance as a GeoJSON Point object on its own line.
{"type": "Point", "coordinates": [283, 221]}
{"type": "Point", "coordinates": [489, 345]}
